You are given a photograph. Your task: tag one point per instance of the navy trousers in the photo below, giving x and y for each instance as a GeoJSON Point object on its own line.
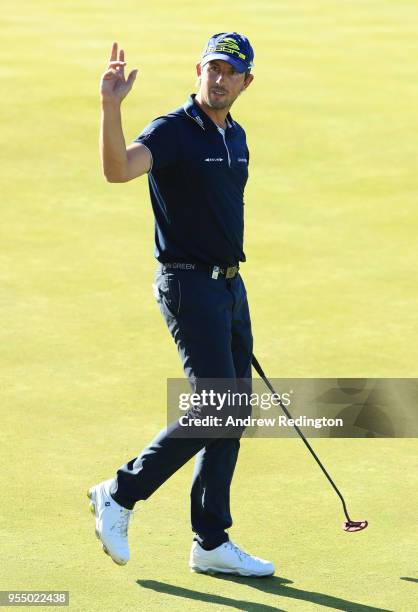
{"type": "Point", "coordinates": [210, 323]}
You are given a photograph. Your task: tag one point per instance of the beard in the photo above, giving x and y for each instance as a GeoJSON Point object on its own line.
{"type": "Point", "coordinates": [219, 102]}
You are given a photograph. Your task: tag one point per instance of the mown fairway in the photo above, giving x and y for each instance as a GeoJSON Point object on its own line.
{"type": "Point", "coordinates": [331, 227]}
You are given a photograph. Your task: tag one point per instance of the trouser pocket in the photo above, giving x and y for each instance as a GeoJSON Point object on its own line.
{"type": "Point", "coordinates": [167, 292]}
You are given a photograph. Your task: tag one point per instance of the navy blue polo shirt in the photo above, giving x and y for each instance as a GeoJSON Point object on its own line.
{"type": "Point", "coordinates": [196, 183]}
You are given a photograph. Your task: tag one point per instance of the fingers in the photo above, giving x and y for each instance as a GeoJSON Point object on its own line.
{"type": "Point", "coordinates": [132, 76]}
{"type": "Point", "coordinates": [114, 52]}
{"type": "Point", "coordinates": [109, 74]}
{"type": "Point", "coordinates": [122, 63]}
{"type": "Point", "coordinates": [115, 57]}
{"type": "Point", "coordinates": [116, 67]}
{"type": "Point", "coordinates": [117, 60]}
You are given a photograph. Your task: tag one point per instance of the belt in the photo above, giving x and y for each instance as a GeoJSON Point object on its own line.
{"type": "Point", "coordinates": [214, 271]}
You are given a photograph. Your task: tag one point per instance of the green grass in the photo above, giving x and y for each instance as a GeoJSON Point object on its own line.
{"type": "Point", "coordinates": [331, 225]}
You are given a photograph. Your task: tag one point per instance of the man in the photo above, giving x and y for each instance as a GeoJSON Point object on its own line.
{"type": "Point", "coordinates": [196, 158]}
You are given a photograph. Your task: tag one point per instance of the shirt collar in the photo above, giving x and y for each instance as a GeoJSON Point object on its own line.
{"type": "Point", "coordinates": [193, 110]}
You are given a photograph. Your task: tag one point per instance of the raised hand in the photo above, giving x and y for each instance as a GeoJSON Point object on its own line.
{"type": "Point", "coordinates": [113, 86]}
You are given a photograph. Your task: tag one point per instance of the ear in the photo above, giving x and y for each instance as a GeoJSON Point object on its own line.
{"type": "Point", "coordinates": [248, 80]}
{"type": "Point", "coordinates": [198, 69]}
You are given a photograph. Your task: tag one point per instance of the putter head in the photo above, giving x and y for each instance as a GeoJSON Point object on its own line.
{"type": "Point", "coordinates": [352, 526]}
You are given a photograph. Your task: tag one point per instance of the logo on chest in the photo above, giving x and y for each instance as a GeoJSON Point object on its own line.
{"type": "Point", "coordinates": [214, 159]}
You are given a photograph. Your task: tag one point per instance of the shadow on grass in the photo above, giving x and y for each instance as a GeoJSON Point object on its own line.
{"type": "Point", "coordinates": [409, 579]}
{"type": "Point", "coordinates": [280, 586]}
{"type": "Point", "coordinates": [219, 600]}
{"type": "Point", "coordinates": [274, 585]}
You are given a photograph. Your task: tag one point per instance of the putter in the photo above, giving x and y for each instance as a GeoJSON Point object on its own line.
{"type": "Point", "coordinates": [348, 525]}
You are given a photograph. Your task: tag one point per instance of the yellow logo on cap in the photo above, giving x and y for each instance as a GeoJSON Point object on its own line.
{"type": "Point", "coordinates": [228, 45]}
{"type": "Point", "coordinates": [231, 42]}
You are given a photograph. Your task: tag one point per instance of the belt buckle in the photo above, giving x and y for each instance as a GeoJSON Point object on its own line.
{"type": "Point", "coordinates": [231, 272]}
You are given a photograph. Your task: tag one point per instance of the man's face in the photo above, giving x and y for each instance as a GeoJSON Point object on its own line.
{"type": "Point", "coordinates": [221, 84]}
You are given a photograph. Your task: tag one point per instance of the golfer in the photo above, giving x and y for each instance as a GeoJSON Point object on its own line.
{"type": "Point", "coordinates": [196, 159]}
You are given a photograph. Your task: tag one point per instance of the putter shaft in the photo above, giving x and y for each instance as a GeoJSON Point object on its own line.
{"type": "Point", "coordinates": [260, 372]}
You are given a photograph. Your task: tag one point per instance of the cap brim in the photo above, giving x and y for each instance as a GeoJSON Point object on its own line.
{"type": "Point", "coordinates": [236, 63]}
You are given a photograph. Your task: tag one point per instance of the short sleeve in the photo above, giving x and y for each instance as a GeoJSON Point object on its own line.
{"type": "Point", "coordinates": [161, 139]}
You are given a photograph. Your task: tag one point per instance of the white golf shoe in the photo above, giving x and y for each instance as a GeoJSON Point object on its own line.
{"type": "Point", "coordinates": [228, 558]}
{"type": "Point", "coordinates": [112, 521]}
